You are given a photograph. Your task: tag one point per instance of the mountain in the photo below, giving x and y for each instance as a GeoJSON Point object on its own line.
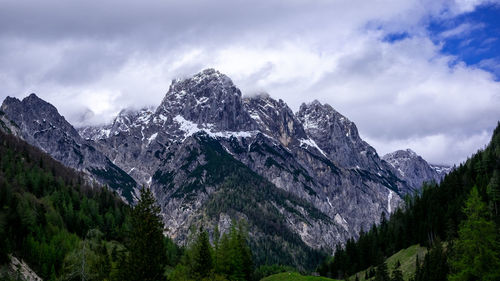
{"type": "Point", "coordinates": [442, 170]}
{"type": "Point", "coordinates": [303, 181]}
{"type": "Point", "coordinates": [7, 126]}
{"type": "Point", "coordinates": [441, 218]}
{"type": "Point", "coordinates": [318, 163]}
{"type": "Point", "coordinates": [40, 124]}
{"type": "Point", "coordinates": [413, 168]}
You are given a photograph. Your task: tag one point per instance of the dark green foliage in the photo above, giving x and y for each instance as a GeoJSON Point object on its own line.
{"type": "Point", "coordinates": [147, 258]}
{"type": "Point", "coordinates": [230, 258]}
{"type": "Point", "coordinates": [434, 266]}
{"type": "Point", "coordinates": [202, 264]}
{"type": "Point", "coordinates": [493, 191]}
{"type": "Point", "coordinates": [163, 177]}
{"type": "Point", "coordinates": [476, 252]}
{"type": "Point", "coordinates": [117, 179]}
{"type": "Point", "coordinates": [382, 273]}
{"type": "Point", "coordinates": [434, 213]}
{"type": "Point", "coordinates": [173, 252]}
{"type": "Point", "coordinates": [240, 190]}
{"type": "Point", "coordinates": [46, 209]}
{"type": "Point", "coordinates": [89, 261]}
{"type": "Point", "coordinates": [397, 274]}
{"type": "Point", "coordinates": [234, 258]}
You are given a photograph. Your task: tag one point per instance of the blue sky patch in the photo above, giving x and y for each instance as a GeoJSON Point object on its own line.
{"type": "Point", "coordinates": [473, 38]}
{"type": "Point", "coordinates": [393, 37]}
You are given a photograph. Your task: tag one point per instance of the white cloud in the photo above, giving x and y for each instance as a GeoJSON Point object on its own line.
{"type": "Point", "coordinates": [460, 30]}
{"type": "Point", "coordinates": [91, 61]}
{"type": "Point", "coordinates": [439, 148]}
{"type": "Point", "coordinates": [463, 6]}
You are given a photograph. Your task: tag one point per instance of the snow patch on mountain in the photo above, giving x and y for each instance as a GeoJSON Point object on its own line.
{"type": "Point", "coordinates": [191, 128]}
{"type": "Point", "coordinates": [311, 143]}
{"type": "Point", "coordinates": [340, 220]}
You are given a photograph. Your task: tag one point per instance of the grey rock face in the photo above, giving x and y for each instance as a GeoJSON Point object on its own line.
{"type": "Point", "coordinates": [338, 137]}
{"type": "Point", "coordinates": [441, 170]}
{"type": "Point", "coordinates": [275, 119]}
{"type": "Point", "coordinates": [8, 126]}
{"type": "Point", "coordinates": [211, 156]}
{"type": "Point", "coordinates": [209, 97]}
{"type": "Point", "coordinates": [413, 168]}
{"type": "Point", "coordinates": [267, 137]}
{"type": "Point", "coordinates": [41, 125]}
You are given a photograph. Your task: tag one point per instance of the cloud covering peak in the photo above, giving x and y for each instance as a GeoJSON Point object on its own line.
{"type": "Point", "coordinates": [93, 58]}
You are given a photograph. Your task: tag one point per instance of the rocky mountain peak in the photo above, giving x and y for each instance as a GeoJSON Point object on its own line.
{"type": "Point", "coordinates": [413, 168]}
{"type": "Point", "coordinates": [315, 115]}
{"type": "Point", "coordinates": [35, 114]}
{"type": "Point", "coordinates": [337, 136]}
{"type": "Point", "coordinates": [129, 117]}
{"type": "Point", "coordinates": [40, 124]}
{"type": "Point", "coordinates": [209, 99]}
{"type": "Point", "coordinates": [398, 155]}
{"type": "Point", "coordinates": [274, 118]}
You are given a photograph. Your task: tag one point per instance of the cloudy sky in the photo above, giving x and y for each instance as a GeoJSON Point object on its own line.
{"type": "Point", "coordinates": [423, 74]}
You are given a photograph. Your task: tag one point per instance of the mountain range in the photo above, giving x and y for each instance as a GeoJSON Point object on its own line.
{"type": "Point", "coordinates": [302, 181]}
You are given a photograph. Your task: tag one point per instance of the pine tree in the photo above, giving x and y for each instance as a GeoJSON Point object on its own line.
{"type": "Point", "coordinates": [243, 252]}
{"type": "Point", "coordinates": [146, 258]}
{"type": "Point", "coordinates": [89, 261]}
{"type": "Point", "coordinates": [202, 256]}
{"type": "Point", "coordinates": [435, 266]}
{"type": "Point", "coordinates": [382, 274]}
{"type": "Point", "coordinates": [493, 190]}
{"type": "Point", "coordinates": [476, 251]}
{"type": "Point", "coordinates": [397, 274]}
{"type": "Point", "coordinates": [224, 258]}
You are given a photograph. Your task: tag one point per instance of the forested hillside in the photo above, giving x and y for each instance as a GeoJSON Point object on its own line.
{"type": "Point", "coordinates": [48, 212]}
{"type": "Point", "coordinates": [462, 210]}
{"type": "Point", "coordinates": [65, 229]}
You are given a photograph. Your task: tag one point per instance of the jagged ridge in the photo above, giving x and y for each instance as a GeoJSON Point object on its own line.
{"type": "Point", "coordinates": [334, 183]}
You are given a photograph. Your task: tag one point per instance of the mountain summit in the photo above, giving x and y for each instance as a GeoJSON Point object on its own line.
{"type": "Point", "coordinates": [41, 125]}
{"type": "Point", "coordinates": [303, 181]}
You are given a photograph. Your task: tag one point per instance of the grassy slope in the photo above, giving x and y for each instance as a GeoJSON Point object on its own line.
{"type": "Point", "coordinates": [291, 276]}
{"type": "Point", "coordinates": [407, 257]}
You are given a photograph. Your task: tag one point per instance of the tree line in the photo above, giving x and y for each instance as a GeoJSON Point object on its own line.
{"type": "Point", "coordinates": [66, 229]}
{"type": "Point", "coordinates": [462, 211]}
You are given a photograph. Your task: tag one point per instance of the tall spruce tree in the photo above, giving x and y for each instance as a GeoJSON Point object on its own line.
{"type": "Point", "coordinates": [434, 266]}
{"type": "Point", "coordinates": [147, 258]}
{"type": "Point", "coordinates": [382, 273]}
{"type": "Point", "coordinates": [397, 274]}
{"type": "Point", "coordinates": [202, 256]}
{"type": "Point", "coordinates": [493, 190]}
{"type": "Point", "coordinates": [476, 251]}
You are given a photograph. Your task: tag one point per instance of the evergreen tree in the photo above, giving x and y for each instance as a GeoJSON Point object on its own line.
{"type": "Point", "coordinates": [476, 251]}
{"type": "Point", "coordinates": [202, 256]}
{"type": "Point", "coordinates": [4, 258]}
{"type": "Point", "coordinates": [224, 257]}
{"type": "Point", "coordinates": [397, 274]}
{"type": "Point", "coordinates": [88, 262]}
{"type": "Point", "coordinates": [493, 190]}
{"type": "Point", "coordinates": [146, 259]}
{"type": "Point", "coordinates": [434, 266]}
{"type": "Point", "coordinates": [382, 273]}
